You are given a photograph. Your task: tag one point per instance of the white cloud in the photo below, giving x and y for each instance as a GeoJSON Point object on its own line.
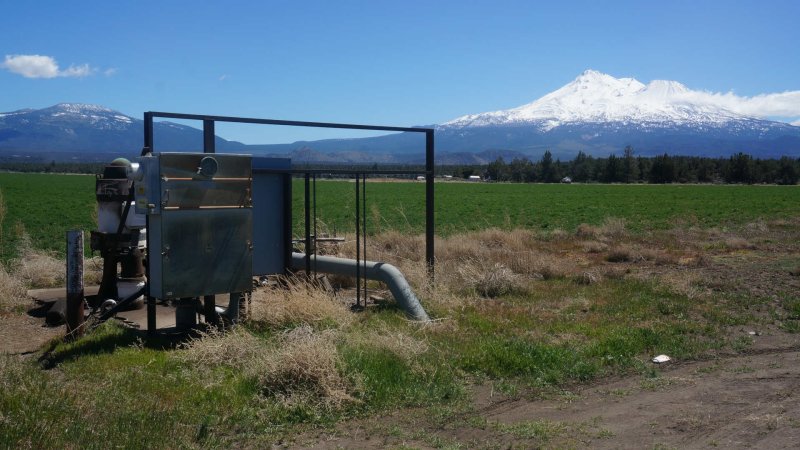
{"type": "Point", "coordinates": [40, 66]}
{"type": "Point", "coordinates": [223, 77]}
{"type": "Point", "coordinates": [796, 123]}
{"type": "Point", "coordinates": [110, 71]}
{"type": "Point", "coordinates": [77, 71]}
{"type": "Point", "coordinates": [783, 104]}
{"type": "Point", "coordinates": [31, 66]}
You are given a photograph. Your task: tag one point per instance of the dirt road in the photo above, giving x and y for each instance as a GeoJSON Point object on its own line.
{"type": "Point", "coordinates": [744, 401]}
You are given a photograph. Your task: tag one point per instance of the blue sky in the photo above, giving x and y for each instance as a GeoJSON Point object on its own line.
{"type": "Point", "coordinates": [379, 62]}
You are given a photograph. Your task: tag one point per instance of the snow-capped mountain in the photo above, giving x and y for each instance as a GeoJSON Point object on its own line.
{"type": "Point", "coordinates": [599, 114]}
{"type": "Point", "coordinates": [595, 97]}
{"type": "Point", "coordinates": [77, 129]}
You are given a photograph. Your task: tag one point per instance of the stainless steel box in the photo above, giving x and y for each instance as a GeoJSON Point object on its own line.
{"type": "Point", "coordinates": [200, 223]}
{"type": "Point", "coordinates": [201, 252]}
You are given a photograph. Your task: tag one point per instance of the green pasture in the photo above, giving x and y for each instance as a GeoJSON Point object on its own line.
{"type": "Point", "coordinates": [462, 206]}
{"type": "Point", "coordinates": [46, 205]}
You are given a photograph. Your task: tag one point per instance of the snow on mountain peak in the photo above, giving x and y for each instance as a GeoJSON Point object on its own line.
{"type": "Point", "coordinates": [598, 97]}
{"type": "Point", "coordinates": [81, 108]}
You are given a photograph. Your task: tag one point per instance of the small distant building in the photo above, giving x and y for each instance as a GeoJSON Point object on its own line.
{"type": "Point", "coordinates": [566, 180]}
{"type": "Point", "coordinates": [474, 178]}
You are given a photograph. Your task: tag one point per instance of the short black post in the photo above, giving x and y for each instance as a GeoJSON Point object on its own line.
{"type": "Point", "coordinates": [74, 313]}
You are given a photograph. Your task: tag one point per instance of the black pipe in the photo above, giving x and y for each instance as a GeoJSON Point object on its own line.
{"type": "Point", "coordinates": [364, 231]}
{"type": "Point", "coordinates": [358, 249]}
{"type": "Point", "coordinates": [429, 197]}
{"type": "Point", "coordinates": [307, 218]}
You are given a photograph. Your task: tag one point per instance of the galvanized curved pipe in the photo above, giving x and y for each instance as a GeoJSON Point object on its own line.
{"type": "Point", "coordinates": [378, 271]}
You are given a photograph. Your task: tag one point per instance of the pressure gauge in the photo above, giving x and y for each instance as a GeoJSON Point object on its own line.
{"type": "Point", "coordinates": [208, 167]}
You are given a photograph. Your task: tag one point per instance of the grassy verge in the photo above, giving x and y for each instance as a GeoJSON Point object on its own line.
{"type": "Point", "coordinates": [527, 312]}
{"type": "Point", "coordinates": [547, 291]}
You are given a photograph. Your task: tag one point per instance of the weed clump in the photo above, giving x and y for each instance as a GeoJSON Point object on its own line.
{"type": "Point", "coordinates": [611, 228]}
{"type": "Point", "coordinates": [489, 280]}
{"type": "Point", "coordinates": [12, 291]}
{"type": "Point", "coordinates": [297, 303]}
{"type": "Point", "coordinates": [304, 369]}
{"type": "Point", "coordinates": [37, 268]}
{"type": "Point", "coordinates": [622, 254]}
{"type": "Point", "coordinates": [737, 243]}
{"type": "Point", "coordinates": [299, 369]}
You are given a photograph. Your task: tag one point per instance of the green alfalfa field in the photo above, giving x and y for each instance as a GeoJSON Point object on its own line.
{"type": "Point", "coordinates": [539, 291]}
{"type": "Point", "coordinates": [46, 205]}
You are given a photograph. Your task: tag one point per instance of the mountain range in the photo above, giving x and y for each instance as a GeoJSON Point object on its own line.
{"type": "Point", "coordinates": [595, 113]}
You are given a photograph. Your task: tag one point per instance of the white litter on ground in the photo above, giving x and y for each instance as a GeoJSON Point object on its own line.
{"type": "Point", "coordinates": [661, 359]}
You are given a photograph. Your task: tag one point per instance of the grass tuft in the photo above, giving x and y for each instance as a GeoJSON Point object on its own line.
{"type": "Point", "coordinates": [489, 280]}
{"type": "Point", "coordinates": [12, 292]}
{"type": "Point", "coordinates": [299, 302]}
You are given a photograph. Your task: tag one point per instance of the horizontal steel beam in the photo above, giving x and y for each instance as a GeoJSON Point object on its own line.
{"type": "Point", "coordinates": [290, 123]}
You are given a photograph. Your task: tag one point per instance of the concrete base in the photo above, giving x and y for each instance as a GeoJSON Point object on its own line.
{"type": "Point", "coordinates": [165, 315]}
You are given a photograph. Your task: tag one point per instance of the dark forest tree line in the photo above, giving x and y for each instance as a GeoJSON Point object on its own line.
{"type": "Point", "coordinates": [628, 168]}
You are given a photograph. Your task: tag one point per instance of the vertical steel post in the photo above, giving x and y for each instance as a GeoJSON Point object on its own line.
{"type": "Point", "coordinates": [74, 313]}
{"type": "Point", "coordinates": [209, 301]}
{"type": "Point", "coordinates": [287, 222]}
{"type": "Point", "coordinates": [314, 220]}
{"type": "Point", "coordinates": [148, 133]}
{"type": "Point", "coordinates": [151, 301]}
{"type": "Point", "coordinates": [364, 231]}
{"type": "Point", "coordinates": [429, 209]}
{"type": "Point", "coordinates": [209, 145]}
{"type": "Point", "coordinates": [307, 218]}
{"type": "Point", "coordinates": [358, 246]}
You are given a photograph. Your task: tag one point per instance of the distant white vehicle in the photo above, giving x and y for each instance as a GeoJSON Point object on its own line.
{"type": "Point", "coordinates": [474, 178]}
{"type": "Point", "coordinates": [566, 180]}
{"type": "Point", "coordinates": [421, 178]}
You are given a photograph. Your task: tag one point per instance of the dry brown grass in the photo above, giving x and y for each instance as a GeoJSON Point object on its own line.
{"type": "Point", "coordinates": [594, 247]}
{"type": "Point", "coordinates": [660, 257]}
{"type": "Point", "coordinates": [487, 279]}
{"type": "Point", "coordinates": [43, 269]}
{"type": "Point", "coordinates": [300, 367]}
{"type": "Point", "coordinates": [304, 369]}
{"type": "Point", "coordinates": [12, 292]}
{"type": "Point", "coordinates": [737, 243]}
{"type": "Point", "coordinates": [36, 268]}
{"type": "Point", "coordinates": [299, 302]}
{"type": "Point", "coordinates": [622, 253]}
{"type": "Point", "coordinates": [612, 228]}
{"type": "Point", "coordinates": [402, 345]}
{"type": "Point", "coordinates": [496, 262]}
{"type": "Point", "coordinates": [3, 211]}
{"type": "Point", "coordinates": [684, 283]}
{"type": "Point", "coordinates": [394, 243]}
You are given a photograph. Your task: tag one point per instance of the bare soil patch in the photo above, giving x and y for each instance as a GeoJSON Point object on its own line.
{"type": "Point", "coordinates": [729, 402]}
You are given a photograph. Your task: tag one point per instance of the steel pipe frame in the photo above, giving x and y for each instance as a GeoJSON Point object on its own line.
{"type": "Point", "coordinates": [209, 147]}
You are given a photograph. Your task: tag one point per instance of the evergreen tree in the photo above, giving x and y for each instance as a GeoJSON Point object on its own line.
{"type": "Point", "coordinates": [662, 170]}
{"type": "Point", "coordinates": [630, 169]}
{"type": "Point", "coordinates": [546, 170]}
{"type": "Point", "coordinates": [613, 169]}
{"type": "Point", "coordinates": [582, 168]}
{"type": "Point", "coordinates": [740, 169]}
{"type": "Point", "coordinates": [787, 171]}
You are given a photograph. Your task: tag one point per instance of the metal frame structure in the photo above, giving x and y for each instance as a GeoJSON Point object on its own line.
{"type": "Point", "coordinates": [210, 147]}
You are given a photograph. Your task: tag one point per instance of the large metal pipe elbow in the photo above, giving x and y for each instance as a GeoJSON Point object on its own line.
{"type": "Point", "coordinates": [377, 271]}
